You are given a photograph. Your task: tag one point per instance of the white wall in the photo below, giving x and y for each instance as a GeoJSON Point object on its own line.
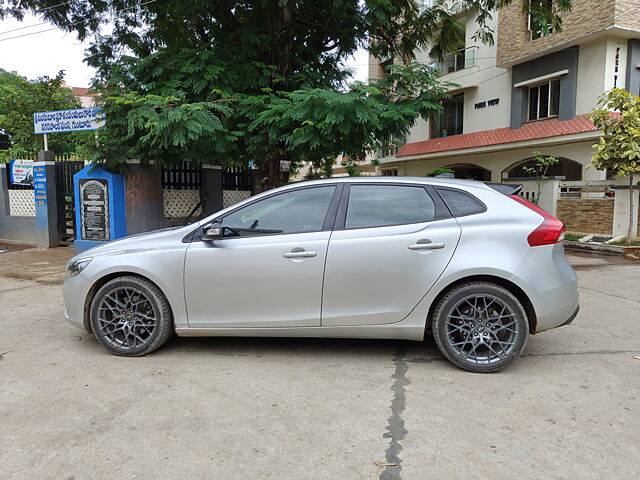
{"type": "Point", "coordinates": [597, 71]}
{"type": "Point", "coordinates": [481, 82]}
{"type": "Point", "coordinates": [613, 44]}
{"type": "Point", "coordinates": [591, 74]}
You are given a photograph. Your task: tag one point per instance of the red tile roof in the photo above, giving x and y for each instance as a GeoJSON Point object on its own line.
{"type": "Point", "coordinates": [529, 131]}
{"type": "Point", "coordinates": [82, 92]}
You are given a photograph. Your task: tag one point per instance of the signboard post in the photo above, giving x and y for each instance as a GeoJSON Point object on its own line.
{"type": "Point", "coordinates": [95, 209]}
{"type": "Point", "coordinates": [100, 208]}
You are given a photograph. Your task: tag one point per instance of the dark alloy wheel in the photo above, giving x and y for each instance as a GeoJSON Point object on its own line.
{"type": "Point", "coordinates": [480, 327]}
{"type": "Point", "coordinates": [130, 316]}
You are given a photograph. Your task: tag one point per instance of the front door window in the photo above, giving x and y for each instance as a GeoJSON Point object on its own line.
{"type": "Point", "coordinates": [297, 211]}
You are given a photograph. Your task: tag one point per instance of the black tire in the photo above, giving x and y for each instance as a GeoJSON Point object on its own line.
{"type": "Point", "coordinates": [130, 316]}
{"type": "Point", "coordinates": [483, 337]}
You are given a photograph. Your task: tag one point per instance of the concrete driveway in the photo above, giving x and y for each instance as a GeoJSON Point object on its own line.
{"type": "Point", "coordinates": [228, 408]}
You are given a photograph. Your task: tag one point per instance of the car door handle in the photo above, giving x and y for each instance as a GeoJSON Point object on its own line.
{"type": "Point", "coordinates": [426, 244]}
{"type": "Point", "coordinates": [295, 253]}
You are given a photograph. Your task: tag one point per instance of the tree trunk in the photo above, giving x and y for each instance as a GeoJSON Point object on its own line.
{"type": "Point", "coordinates": [630, 232]}
{"type": "Point", "coordinates": [270, 175]}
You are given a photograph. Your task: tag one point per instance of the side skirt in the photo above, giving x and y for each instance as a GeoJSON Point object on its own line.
{"type": "Point", "coordinates": [411, 328]}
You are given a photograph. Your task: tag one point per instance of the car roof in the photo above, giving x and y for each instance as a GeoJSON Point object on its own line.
{"type": "Point", "coordinates": [439, 181]}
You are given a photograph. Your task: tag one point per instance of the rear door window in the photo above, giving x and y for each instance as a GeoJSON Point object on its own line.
{"type": "Point", "coordinates": [384, 205]}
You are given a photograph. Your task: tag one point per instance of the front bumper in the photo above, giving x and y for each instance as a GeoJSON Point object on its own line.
{"type": "Point", "coordinates": [74, 291]}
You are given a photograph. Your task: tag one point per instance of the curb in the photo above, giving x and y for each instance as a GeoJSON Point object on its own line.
{"type": "Point", "coordinates": [601, 248]}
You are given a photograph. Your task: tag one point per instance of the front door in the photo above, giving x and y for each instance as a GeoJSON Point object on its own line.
{"type": "Point", "coordinates": [389, 253]}
{"type": "Point", "coordinates": [267, 270]}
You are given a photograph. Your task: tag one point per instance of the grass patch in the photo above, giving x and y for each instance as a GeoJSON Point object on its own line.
{"type": "Point", "coordinates": [623, 241]}
{"type": "Point", "coordinates": [573, 237]}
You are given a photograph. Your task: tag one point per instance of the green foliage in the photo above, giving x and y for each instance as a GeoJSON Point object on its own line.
{"type": "Point", "coordinates": [573, 237]}
{"type": "Point", "coordinates": [540, 165]}
{"type": "Point", "coordinates": [538, 170]}
{"type": "Point", "coordinates": [351, 166]}
{"type": "Point", "coordinates": [19, 99]}
{"type": "Point", "coordinates": [438, 171]}
{"type": "Point", "coordinates": [618, 117]}
{"type": "Point", "coordinates": [260, 80]}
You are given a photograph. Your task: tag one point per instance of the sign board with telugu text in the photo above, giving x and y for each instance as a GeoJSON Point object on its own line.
{"type": "Point", "coordinates": [78, 119]}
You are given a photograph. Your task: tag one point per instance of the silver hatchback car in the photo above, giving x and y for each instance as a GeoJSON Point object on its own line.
{"type": "Point", "coordinates": [384, 257]}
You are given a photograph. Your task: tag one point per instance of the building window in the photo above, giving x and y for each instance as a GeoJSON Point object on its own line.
{"type": "Point", "coordinates": [391, 147]}
{"type": "Point", "coordinates": [538, 26]}
{"type": "Point", "coordinates": [450, 121]}
{"type": "Point", "coordinates": [544, 100]}
{"type": "Point", "coordinates": [390, 172]}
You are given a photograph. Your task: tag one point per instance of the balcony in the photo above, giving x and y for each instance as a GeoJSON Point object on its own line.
{"type": "Point", "coordinates": [454, 61]}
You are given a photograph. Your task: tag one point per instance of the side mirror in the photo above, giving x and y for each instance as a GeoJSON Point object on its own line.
{"type": "Point", "coordinates": [211, 232]}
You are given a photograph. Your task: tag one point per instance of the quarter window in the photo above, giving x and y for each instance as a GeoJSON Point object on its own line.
{"type": "Point", "coordinates": [297, 211]}
{"type": "Point", "coordinates": [461, 203]}
{"type": "Point", "coordinates": [383, 205]}
{"type": "Point", "coordinates": [544, 100]}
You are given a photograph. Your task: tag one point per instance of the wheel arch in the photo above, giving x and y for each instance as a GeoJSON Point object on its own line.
{"type": "Point", "coordinates": [97, 285]}
{"type": "Point", "coordinates": [508, 285]}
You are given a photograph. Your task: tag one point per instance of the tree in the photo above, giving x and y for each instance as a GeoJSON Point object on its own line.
{"type": "Point", "coordinates": [538, 170]}
{"type": "Point", "coordinates": [261, 80]}
{"type": "Point", "coordinates": [439, 171]}
{"type": "Point", "coordinates": [618, 116]}
{"type": "Point", "coordinates": [19, 99]}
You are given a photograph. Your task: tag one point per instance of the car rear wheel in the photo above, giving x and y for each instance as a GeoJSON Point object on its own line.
{"type": "Point", "coordinates": [480, 327]}
{"type": "Point", "coordinates": [130, 316]}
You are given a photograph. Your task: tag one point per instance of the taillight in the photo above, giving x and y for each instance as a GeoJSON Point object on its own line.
{"type": "Point", "coordinates": [550, 231]}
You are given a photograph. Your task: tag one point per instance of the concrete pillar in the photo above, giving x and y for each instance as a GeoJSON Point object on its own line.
{"type": "Point", "coordinates": [549, 192]}
{"type": "Point", "coordinates": [144, 198]}
{"type": "Point", "coordinates": [621, 210]}
{"type": "Point", "coordinates": [44, 182]}
{"type": "Point", "coordinates": [211, 186]}
{"type": "Point", "coordinates": [4, 187]}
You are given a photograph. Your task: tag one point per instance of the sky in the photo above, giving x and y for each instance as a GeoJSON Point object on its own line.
{"type": "Point", "coordinates": [39, 54]}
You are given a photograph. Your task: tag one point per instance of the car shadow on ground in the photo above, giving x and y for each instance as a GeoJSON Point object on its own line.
{"type": "Point", "coordinates": [303, 346]}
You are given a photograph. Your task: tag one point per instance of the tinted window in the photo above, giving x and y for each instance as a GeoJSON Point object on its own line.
{"type": "Point", "coordinates": [380, 205]}
{"type": "Point", "coordinates": [291, 212]}
{"type": "Point", "coordinates": [461, 203]}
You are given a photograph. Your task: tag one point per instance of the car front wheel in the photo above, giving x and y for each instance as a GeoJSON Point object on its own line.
{"type": "Point", "coordinates": [480, 327]}
{"type": "Point", "coordinates": [130, 316]}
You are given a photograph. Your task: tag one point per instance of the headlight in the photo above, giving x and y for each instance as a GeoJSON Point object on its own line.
{"type": "Point", "coordinates": [76, 267]}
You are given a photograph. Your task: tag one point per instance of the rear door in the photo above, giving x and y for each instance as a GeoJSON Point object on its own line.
{"type": "Point", "coordinates": [390, 245]}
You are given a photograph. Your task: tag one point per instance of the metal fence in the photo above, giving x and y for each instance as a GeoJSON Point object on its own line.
{"type": "Point", "coordinates": [186, 177]}
{"type": "Point", "coordinates": [237, 178]}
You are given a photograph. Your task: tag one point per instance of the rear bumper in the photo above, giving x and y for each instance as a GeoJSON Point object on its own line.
{"type": "Point", "coordinates": [561, 309]}
{"type": "Point", "coordinates": [573, 315]}
{"type": "Point", "coordinates": [551, 285]}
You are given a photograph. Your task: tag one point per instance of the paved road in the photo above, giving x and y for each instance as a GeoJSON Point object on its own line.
{"type": "Point", "coordinates": [326, 409]}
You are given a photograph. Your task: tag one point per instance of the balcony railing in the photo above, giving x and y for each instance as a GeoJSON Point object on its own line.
{"type": "Point", "coordinates": [454, 61]}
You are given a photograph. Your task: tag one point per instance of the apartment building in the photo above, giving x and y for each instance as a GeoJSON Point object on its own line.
{"type": "Point", "coordinates": [530, 91]}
